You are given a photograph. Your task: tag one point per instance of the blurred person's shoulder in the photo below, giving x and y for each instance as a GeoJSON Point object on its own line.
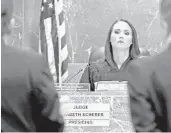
{"type": "Point", "coordinates": [142, 62]}
{"type": "Point", "coordinates": [140, 69]}
{"type": "Point", "coordinates": [25, 56]}
{"type": "Point", "coordinates": [149, 64]}
{"type": "Point", "coordinates": [154, 69]}
{"type": "Point", "coordinates": [162, 62]}
{"type": "Point", "coordinates": [154, 61]}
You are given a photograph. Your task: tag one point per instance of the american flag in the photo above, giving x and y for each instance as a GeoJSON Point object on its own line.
{"type": "Point", "coordinates": [53, 38]}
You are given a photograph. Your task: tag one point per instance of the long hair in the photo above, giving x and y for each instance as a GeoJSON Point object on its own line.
{"type": "Point", "coordinates": [134, 48]}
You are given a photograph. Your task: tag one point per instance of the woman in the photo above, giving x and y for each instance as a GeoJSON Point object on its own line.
{"type": "Point", "coordinates": [120, 49]}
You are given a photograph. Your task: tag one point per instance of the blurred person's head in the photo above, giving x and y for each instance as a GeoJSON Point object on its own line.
{"type": "Point", "coordinates": [165, 12]}
{"type": "Point", "coordinates": [165, 15]}
{"type": "Point", "coordinates": [122, 36]}
{"type": "Point", "coordinates": [6, 15]}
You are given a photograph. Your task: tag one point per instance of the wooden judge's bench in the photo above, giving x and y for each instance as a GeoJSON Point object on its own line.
{"type": "Point", "coordinates": [105, 110]}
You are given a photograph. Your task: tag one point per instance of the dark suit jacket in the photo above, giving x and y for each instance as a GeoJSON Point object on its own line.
{"type": "Point", "coordinates": [150, 93]}
{"type": "Point", "coordinates": [29, 101]}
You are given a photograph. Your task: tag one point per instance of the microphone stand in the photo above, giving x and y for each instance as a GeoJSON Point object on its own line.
{"type": "Point", "coordinates": [69, 79]}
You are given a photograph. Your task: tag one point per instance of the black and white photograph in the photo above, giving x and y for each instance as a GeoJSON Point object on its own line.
{"type": "Point", "coordinates": [78, 66]}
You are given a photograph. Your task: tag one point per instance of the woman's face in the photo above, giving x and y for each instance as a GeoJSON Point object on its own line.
{"type": "Point", "coordinates": [121, 35]}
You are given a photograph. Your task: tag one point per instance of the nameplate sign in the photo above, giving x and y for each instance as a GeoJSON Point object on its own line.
{"type": "Point", "coordinates": [72, 87]}
{"type": "Point", "coordinates": [100, 111]}
{"type": "Point", "coordinates": [112, 86]}
{"type": "Point", "coordinates": [95, 114]}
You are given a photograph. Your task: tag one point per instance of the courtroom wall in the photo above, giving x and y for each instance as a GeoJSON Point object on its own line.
{"type": "Point", "coordinates": [88, 21]}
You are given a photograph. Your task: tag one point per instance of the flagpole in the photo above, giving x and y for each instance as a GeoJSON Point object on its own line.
{"type": "Point", "coordinates": [57, 12]}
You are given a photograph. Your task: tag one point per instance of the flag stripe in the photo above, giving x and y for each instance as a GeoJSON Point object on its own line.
{"type": "Point", "coordinates": [64, 53]}
{"type": "Point", "coordinates": [55, 46]}
{"type": "Point", "coordinates": [64, 66]}
{"type": "Point", "coordinates": [61, 30]}
{"type": "Point", "coordinates": [43, 45]}
{"type": "Point", "coordinates": [58, 6]}
{"type": "Point", "coordinates": [63, 41]}
{"type": "Point", "coordinates": [64, 76]}
{"type": "Point", "coordinates": [51, 61]}
{"type": "Point", "coordinates": [61, 17]}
